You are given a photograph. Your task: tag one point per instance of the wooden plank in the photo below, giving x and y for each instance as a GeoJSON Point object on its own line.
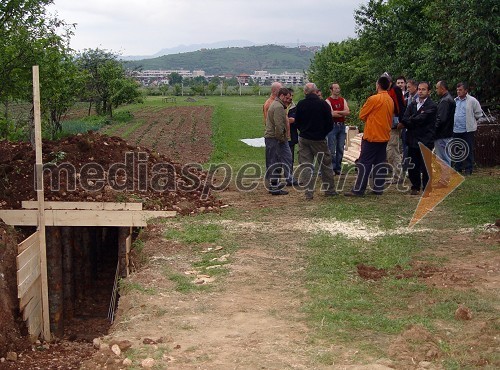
{"type": "Point", "coordinates": [34, 321]}
{"type": "Point", "coordinates": [33, 290]}
{"type": "Point", "coordinates": [29, 241]}
{"type": "Point", "coordinates": [20, 217]}
{"type": "Point", "coordinates": [27, 276]}
{"type": "Point", "coordinates": [26, 255]}
{"type": "Point", "coordinates": [33, 304]}
{"type": "Point", "coordinates": [94, 206]}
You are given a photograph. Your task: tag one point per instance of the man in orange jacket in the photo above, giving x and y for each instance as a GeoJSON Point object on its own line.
{"type": "Point", "coordinates": [377, 113]}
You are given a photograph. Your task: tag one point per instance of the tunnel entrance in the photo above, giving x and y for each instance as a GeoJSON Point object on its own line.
{"type": "Point", "coordinates": [82, 271]}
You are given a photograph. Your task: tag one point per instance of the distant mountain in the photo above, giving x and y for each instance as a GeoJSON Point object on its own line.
{"type": "Point", "coordinates": [192, 47]}
{"type": "Point", "coordinates": [214, 45]}
{"type": "Point", "coordinates": [231, 60]}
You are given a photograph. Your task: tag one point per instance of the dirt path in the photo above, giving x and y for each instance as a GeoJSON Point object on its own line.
{"type": "Point", "coordinates": [250, 319]}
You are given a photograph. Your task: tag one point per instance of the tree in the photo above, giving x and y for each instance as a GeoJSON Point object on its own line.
{"type": "Point", "coordinates": [164, 89]}
{"type": "Point", "coordinates": [454, 40]}
{"type": "Point", "coordinates": [212, 86]}
{"type": "Point", "coordinates": [107, 86]}
{"type": "Point", "coordinates": [28, 36]}
{"type": "Point", "coordinates": [174, 78]}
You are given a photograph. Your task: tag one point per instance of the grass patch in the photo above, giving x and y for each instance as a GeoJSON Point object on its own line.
{"type": "Point", "coordinates": [344, 305]}
{"type": "Point", "coordinates": [475, 202]}
{"type": "Point", "coordinates": [195, 233]}
{"type": "Point", "coordinates": [126, 286]}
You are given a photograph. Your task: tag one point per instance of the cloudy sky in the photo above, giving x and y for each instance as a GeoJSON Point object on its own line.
{"type": "Point", "coordinates": [135, 27]}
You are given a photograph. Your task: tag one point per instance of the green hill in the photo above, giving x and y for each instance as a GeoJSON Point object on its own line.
{"type": "Point", "coordinates": [272, 58]}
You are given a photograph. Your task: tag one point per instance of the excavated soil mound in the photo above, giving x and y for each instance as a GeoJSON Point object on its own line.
{"type": "Point", "coordinates": [103, 169]}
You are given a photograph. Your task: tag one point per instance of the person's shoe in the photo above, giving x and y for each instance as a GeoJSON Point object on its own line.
{"type": "Point", "coordinates": [337, 173]}
{"type": "Point", "coordinates": [352, 194]}
{"type": "Point", "coordinates": [414, 192]}
{"type": "Point", "coordinates": [277, 186]}
{"type": "Point", "coordinates": [378, 193]}
{"type": "Point", "coordinates": [308, 196]}
{"type": "Point", "coordinates": [292, 183]}
{"type": "Point", "coordinates": [331, 193]}
{"type": "Point", "coordinates": [278, 192]}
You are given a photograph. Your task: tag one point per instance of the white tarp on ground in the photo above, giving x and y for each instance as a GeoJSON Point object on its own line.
{"type": "Point", "coordinates": [257, 142]}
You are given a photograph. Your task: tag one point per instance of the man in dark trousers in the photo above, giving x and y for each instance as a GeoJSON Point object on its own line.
{"type": "Point", "coordinates": [444, 129]}
{"type": "Point", "coordinates": [420, 122]}
{"type": "Point", "coordinates": [314, 121]}
{"type": "Point", "coordinates": [278, 153]}
{"type": "Point", "coordinates": [377, 113]}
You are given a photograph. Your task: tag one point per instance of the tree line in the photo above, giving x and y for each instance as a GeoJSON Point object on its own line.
{"type": "Point", "coordinates": [426, 40]}
{"type": "Point", "coordinates": [30, 36]}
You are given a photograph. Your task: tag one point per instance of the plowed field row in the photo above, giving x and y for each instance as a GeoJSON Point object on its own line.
{"type": "Point", "coordinates": [181, 133]}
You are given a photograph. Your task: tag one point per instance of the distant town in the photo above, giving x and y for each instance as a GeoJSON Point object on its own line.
{"type": "Point", "coordinates": [161, 77]}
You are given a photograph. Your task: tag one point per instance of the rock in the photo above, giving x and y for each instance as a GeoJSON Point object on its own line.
{"type": "Point", "coordinates": [103, 347]}
{"type": "Point", "coordinates": [148, 363]}
{"type": "Point", "coordinates": [124, 345]}
{"type": "Point", "coordinates": [127, 362]}
{"type": "Point", "coordinates": [11, 356]}
{"type": "Point", "coordinates": [96, 343]}
{"type": "Point", "coordinates": [2, 360]}
{"type": "Point", "coordinates": [148, 341]}
{"type": "Point", "coordinates": [116, 350]}
{"type": "Point", "coordinates": [463, 313]}
{"type": "Point", "coordinates": [424, 364]}
{"type": "Point", "coordinates": [431, 354]}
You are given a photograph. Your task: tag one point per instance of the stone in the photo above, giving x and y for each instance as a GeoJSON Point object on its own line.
{"type": "Point", "coordinates": [11, 356]}
{"type": "Point", "coordinates": [96, 343]}
{"type": "Point", "coordinates": [148, 363]}
{"type": "Point", "coordinates": [116, 350]}
{"type": "Point", "coordinates": [463, 313]}
{"type": "Point", "coordinates": [425, 364]}
{"type": "Point", "coordinates": [103, 347]}
{"type": "Point", "coordinates": [127, 362]}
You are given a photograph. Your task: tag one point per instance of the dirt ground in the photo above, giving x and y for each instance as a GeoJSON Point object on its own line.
{"type": "Point", "coordinates": [251, 317]}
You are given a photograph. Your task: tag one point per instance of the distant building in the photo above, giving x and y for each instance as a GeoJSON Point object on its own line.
{"type": "Point", "coordinates": [243, 78]}
{"type": "Point", "coordinates": [152, 77]}
{"type": "Point", "coordinates": [286, 78]}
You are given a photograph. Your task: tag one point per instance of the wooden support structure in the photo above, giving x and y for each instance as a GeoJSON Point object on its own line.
{"type": "Point", "coordinates": [65, 245]}
{"type": "Point", "coordinates": [76, 217]}
{"type": "Point", "coordinates": [29, 283]}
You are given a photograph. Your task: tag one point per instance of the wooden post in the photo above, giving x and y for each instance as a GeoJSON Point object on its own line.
{"type": "Point", "coordinates": [78, 267]}
{"type": "Point", "coordinates": [123, 233]}
{"type": "Point", "coordinates": [55, 271]}
{"type": "Point", "coordinates": [67, 238]}
{"type": "Point", "coordinates": [41, 205]}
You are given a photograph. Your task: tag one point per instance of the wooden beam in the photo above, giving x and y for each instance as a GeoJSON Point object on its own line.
{"type": "Point", "coordinates": [37, 118]}
{"type": "Point", "coordinates": [94, 206]}
{"type": "Point", "coordinates": [55, 217]}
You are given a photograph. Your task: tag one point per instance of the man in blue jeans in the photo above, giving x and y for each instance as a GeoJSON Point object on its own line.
{"type": "Point", "coordinates": [467, 112]}
{"type": "Point", "coordinates": [336, 137]}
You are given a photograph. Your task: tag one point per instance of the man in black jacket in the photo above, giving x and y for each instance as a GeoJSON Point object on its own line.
{"type": "Point", "coordinates": [420, 121]}
{"type": "Point", "coordinates": [444, 128]}
{"type": "Point", "coordinates": [314, 121]}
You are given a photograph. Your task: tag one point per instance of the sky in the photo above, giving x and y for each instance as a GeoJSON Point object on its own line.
{"type": "Point", "coordinates": [144, 27]}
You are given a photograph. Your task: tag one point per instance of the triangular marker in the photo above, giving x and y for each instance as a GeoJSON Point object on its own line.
{"type": "Point", "coordinates": [442, 181]}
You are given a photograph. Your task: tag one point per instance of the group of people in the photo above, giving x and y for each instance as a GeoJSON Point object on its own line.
{"type": "Point", "coordinates": [401, 112]}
